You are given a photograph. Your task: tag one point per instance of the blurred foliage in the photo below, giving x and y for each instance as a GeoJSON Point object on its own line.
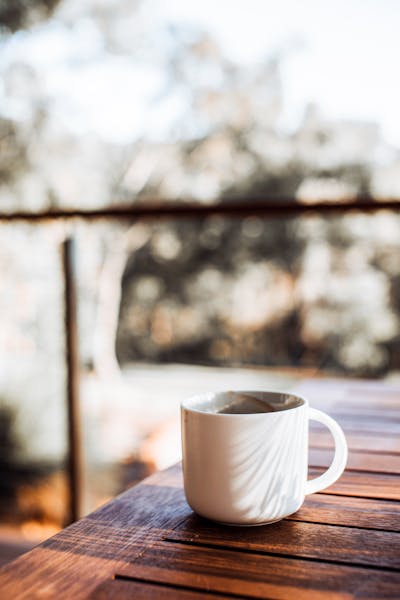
{"type": "Point", "coordinates": [13, 154]}
{"type": "Point", "coordinates": [208, 128]}
{"type": "Point", "coordinates": [312, 292]}
{"type": "Point", "coordinates": [17, 14]}
{"type": "Point", "coordinates": [8, 442]}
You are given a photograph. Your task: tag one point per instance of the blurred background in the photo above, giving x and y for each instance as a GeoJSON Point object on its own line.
{"type": "Point", "coordinates": [227, 174]}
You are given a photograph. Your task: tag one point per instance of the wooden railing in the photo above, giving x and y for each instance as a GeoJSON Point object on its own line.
{"type": "Point", "coordinates": [274, 206]}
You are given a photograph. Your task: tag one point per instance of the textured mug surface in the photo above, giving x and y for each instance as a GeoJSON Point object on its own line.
{"type": "Point", "coordinates": [251, 469]}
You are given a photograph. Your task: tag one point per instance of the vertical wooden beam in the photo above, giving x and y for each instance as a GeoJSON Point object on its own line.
{"type": "Point", "coordinates": [74, 451]}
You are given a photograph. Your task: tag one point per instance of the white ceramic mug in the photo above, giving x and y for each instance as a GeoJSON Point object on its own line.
{"type": "Point", "coordinates": [251, 469]}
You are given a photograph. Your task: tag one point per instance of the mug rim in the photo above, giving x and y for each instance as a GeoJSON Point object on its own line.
{"type": "Point", "coordinates": [185, 405]}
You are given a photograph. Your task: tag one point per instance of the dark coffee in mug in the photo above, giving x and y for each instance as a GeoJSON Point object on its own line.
{"type": "Point", "coordinates": [243, 404]}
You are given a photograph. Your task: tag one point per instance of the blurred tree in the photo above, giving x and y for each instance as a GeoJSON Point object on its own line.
{"type": "Point", "coordinates": [212, 133]}
{"type": "Point", "coordinates": [17, 14]}
{"type": "Point", "coordinates": [13, 158]}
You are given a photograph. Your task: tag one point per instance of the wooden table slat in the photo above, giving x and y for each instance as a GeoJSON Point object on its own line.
{"type": "Point", "coordinates": [258, 576]}
{"type": "Point", "coordinates": [358, 441]}
{"type": "Point", "coordinates": [351, 424]}
{"type": "Point", "coordinates": [349, 511]}
{"type": "Point", "coordinates": [364, 485]}
{"type": "Point", "coordinates": [358, 461]}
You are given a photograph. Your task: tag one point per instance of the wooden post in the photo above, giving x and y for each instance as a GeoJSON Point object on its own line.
{"type": "Point", "coordinates": [74, 451]}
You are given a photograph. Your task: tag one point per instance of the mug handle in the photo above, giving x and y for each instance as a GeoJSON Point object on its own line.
{"type": "Point", "coordinates": [339, 460]}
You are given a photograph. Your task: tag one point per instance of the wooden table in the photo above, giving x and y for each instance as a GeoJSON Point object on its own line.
{"type": "Point", "coordinates": [343, 543]}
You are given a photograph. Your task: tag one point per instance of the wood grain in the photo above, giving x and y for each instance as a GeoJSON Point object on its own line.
{"type": "Point", "coordinates": [374, 462]}
{"type": "Point", "coordinates": [364, 485]}
{"type": "Point", "coordinates": [340, 544]}
{"type": "Point", "coordinates": [350, 511]}
{"type": "Point", "coordinates": [253, 575]}
{"type": "Point", "coordinates": [74, 562]}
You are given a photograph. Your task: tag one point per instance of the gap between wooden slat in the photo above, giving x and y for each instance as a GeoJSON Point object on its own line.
{"type": "Point", "coordinates": [355, 512]}
{"type": "Point", "coordinates": [371, 462]}
{"type": "Point", "coordinates": [288, 537]}
{"type": "Point", "coordinates": [315, 446]}
{"type": "Point", "coordinates": [358, 442]}
{"type": "Point", "coordinates": [178, 586]}
{"type": "Point", "coordinates": [344, 495]}
{"type": "Point", "coordinates": [193, 544]}
{"type": "Point", "coordinates": [362, 484]}
{"type": "Point", "coordinates": [260, 576]}
{"type": "Point", "coordinates": [330, 509]}
{"type": "Point", "coordinates": [339, 495]}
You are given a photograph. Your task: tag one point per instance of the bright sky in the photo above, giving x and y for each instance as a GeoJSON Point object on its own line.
{"type": "Point", "coordinates": [344, 58]}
